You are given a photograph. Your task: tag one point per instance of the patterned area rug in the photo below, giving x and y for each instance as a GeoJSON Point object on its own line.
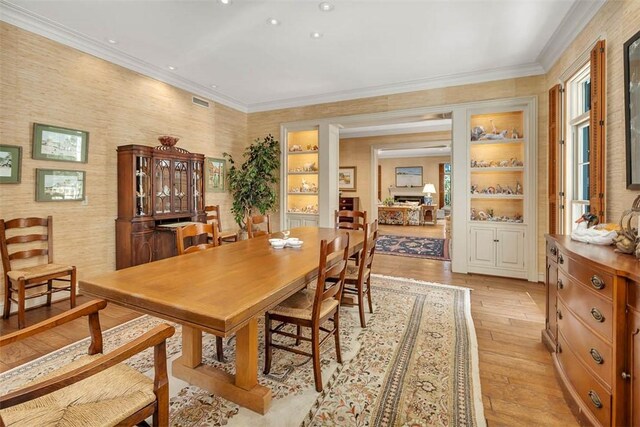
{"type": "Point", "coordinates": [417, 247]}
{"type": "Point", "coordinates": [415, 364]}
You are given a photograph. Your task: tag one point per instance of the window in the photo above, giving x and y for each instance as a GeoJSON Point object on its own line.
{"type": "Point", "coordinates": [578, 150]}
{"type": "Point", "coordinates": [447, 184]}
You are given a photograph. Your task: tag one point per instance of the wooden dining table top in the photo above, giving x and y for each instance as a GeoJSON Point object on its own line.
{"type": "Point", "coordinates": [220, 289]}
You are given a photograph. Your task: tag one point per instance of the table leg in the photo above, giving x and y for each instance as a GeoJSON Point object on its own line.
{"type": "Point", "coordinates": [242, 388]}
{"type": "Point", "coordinates": [191, 346]}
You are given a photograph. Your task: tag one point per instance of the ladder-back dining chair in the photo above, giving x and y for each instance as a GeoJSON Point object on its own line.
{"type": "Point", "coordinates": [357, 281]}
{"type": "Point", "coordinates": [93, 389]}
{"type": "Point", "coordinates": [197, 232]}
{"type": "Point", "coordinates": [213, 214]}
{"type": "Point", "coordinates": [256, 220]}
{"type": "Point", "coordinates": [26, 245]}
{"type": "Point", "coordinates": [351, 220]}
{"type": "Point", "coordinates": [312, 308]}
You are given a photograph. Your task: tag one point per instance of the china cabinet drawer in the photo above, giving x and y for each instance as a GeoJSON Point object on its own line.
{"type": "Point", "coordinates": [595, 279]}
{"type": "Point", "coordinates": [593, 351]}
{"type": "Point", "coordinates": [595, 311]}
{"type": "Point", "coordinates": [594, 396]}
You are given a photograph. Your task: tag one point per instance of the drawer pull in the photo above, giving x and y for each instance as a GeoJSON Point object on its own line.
{"type": "Point", "coordinates": [595, 313]}
{"type": "Point", "coordinates": [560, 259]}
{"type": "Point", "coordinates": [595, 399]}
{"type": "Point", "coordinates": [559, 315]}
{"type": "Point", "coordinates": [553, 251]}
{"type": "Point", "coordinates": [597, 282]}
{"type": "Point", "coordinates": [626, 376]}
{"type": "Point", "coordinates": [560, 284]}
{"type": "Point", "coordinates": [597, 357]}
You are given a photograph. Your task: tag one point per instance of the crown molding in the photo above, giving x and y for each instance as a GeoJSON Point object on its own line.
{"type": "Point", "coordinates": [27, 20]}
{"type": "Point", "coordinates": [578, 16]}
{"type": "Point", "coordinates": [501, 73]}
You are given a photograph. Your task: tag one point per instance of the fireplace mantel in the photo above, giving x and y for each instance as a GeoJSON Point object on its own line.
{"type": "Point", "coordinates": [405, 191]}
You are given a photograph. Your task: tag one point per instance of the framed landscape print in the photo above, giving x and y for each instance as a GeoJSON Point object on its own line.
{"type": "Point", "coordinates": [57, 143]}
{"type": "Point", "coordinates": [214, 172]}
{"type": "Point", "coordinates": [54, 185]}
{"type": "Point", "coordinates": [632, 109]}
{"type": "Point", "coordinates": [10, 163]}
{"type": "Point", "coordinates": [347, 178]}
{"type": "Point", "coordinates": [409, 176]}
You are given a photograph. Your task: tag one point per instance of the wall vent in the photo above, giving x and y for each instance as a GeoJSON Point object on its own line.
{"type": "Point", "coordinates": [200, 102]}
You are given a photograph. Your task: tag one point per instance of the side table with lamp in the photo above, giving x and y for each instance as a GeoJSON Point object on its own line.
{"type": "Point", "coordinates": [428, 209]}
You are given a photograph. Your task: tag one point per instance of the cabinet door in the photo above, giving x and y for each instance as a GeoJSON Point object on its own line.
{"type": "Point", "coordinates": [310, 222]}
{"type": "Point", "coordinates": [142, 244]}
{"type": "Point", "coordinates": [294, 222]}
{"type": "Point", "coordinates": [483, 251]}
{"type": "Point", "coordinates": [634, 366]}
{"type": "Point", "coordinates": [510, 249]}
{"type": "Point", "coordinates": [552, 293]}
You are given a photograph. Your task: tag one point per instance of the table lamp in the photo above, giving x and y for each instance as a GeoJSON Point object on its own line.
{"type": "Point", "coordinates": [428, 190]}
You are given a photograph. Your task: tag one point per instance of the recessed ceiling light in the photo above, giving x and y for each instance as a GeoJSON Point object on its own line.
{"type": "Point", "coordinates": [112, 41]}
{"type": "Point", "coordinates": [171, 67]}
{"type": "Point", "coordinates": [213, 86]}
{"type": "Point", "coordinates": [273, 21]}
{"type": "Point", "coordinates": [325, 6]}
{"type": "Point", "coordinates": [224, 1]}
{"type": "Point", "coordinates": [316, 35]}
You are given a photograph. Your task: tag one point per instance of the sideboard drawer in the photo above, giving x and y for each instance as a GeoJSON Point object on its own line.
{"type": "Point", "coordinates": [593, 395]}
{"type": "Point", "coordinates": [593, 351]}
{"type": "Point", "coordinates": [595, 311]}
{"type": "Point", "coordinates": [552, 251]}
{"type": "Point", "coordinates": [593, 278]}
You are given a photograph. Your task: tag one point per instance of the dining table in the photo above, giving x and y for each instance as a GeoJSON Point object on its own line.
{"type": "Point", "coordinates": [222, 291]}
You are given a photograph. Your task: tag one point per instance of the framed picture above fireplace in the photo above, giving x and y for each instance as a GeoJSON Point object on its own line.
{"type": "Point", "coordinates": [410, 176]}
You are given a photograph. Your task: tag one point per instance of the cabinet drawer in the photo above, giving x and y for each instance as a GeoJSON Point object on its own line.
{"type": "Point", "coordinates": [593, 278]}
{"type": "Point", "coordinates": [594, 396]}
{"type": "Point", "coordinates": [595, 311]}
{"type": "Point", "coordinates": [593, 351]}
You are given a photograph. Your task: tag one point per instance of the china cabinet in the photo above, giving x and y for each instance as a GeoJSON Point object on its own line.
{"type": "Point", "coordinates": [156, 185]}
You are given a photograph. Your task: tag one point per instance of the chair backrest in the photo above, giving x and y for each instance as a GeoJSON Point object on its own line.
{"type": "Point", "coordinates": [331, 277]}
{"type": "Point", "coordinates": [350, 220]}
{"type": "Point", "coordinates": [369, 246]}
{"type": "Point", "coordinates": [213, 214]}
{"type": "Point", "coordinates": [42, 232]}
{"type": "Point", "coordinates": [195, 231]}
{"type": "Point", "coordinates": [255, 220]}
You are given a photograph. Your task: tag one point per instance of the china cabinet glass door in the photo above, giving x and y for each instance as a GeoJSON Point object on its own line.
{"type": "Point", "coordinates": [143, 186]}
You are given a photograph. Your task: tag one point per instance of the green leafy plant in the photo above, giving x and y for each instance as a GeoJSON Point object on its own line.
{"type": "Point", "coordinates": [389, 201]}
{"type": "Point", "coordinates": [253, 184]}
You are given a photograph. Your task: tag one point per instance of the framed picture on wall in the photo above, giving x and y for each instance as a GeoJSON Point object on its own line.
{"type": "Point", "coordinates": [214, 174]}
{"type": "Point", "coordinates": [60, 144]}
{"type": "Point", "coordinates": [347, 178]}
{"type": "Point", "coordinates": [409, 176]}
{"type": "Point", "coordinates": [55, 185]}
{"type": "Point", "coordinates": [10, 163]}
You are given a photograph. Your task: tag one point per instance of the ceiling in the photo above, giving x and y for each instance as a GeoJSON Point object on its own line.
{"type": "Point", "coordinates": [367, 47]}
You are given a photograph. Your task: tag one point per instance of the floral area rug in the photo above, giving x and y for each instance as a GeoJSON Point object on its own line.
{"type": "Point", "coordinates": [416, 364]}
{"type": "Point", "coordinates": [417, 247]}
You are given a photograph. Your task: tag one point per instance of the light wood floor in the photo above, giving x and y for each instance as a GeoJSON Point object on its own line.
{"type": "Point", "coordinates": [519, 386]}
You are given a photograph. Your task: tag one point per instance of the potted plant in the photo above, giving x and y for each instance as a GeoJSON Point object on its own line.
{"type": "Point", "coordinates": [252, 184]}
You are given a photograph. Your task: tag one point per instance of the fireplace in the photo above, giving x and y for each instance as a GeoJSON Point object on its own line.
{"type": "Point", "coordinates": [407, 198]}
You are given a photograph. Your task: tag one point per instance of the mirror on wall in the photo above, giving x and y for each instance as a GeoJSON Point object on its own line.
{"type": "Point", "coordinates": [632, 109]}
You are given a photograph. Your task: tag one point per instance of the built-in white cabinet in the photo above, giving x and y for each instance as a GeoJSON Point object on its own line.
{"type": "Point", "coordinates": [501, 190]}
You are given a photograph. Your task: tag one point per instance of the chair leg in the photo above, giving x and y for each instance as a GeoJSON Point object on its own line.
{"type": "Point", "coordinates": [49, 288]}
{"type": "Point", "coordinates": [298, 332]}
{"type": "Point", "coordinates": [336, 333]}
{"type": "Point", "coordinates": [267, 343]}
{"type": "Point", "coordinates": [21, 301]}
{"type": "Point", "coordinates": [363, 322]}
{"type": "Point", "coordinates": [219, 349]}
{"type": "Point", "coordinates": [369, 294]}
{"type": "Point", "coordinates": [7, 302]}
{"type": "Point", "coordinates": [315, 354]}
{"type": "Point", "coordinates": [73, 284]}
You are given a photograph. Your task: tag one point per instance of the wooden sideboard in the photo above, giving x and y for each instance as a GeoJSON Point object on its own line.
{"type": "Point", "coordinates": [593, 329]}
